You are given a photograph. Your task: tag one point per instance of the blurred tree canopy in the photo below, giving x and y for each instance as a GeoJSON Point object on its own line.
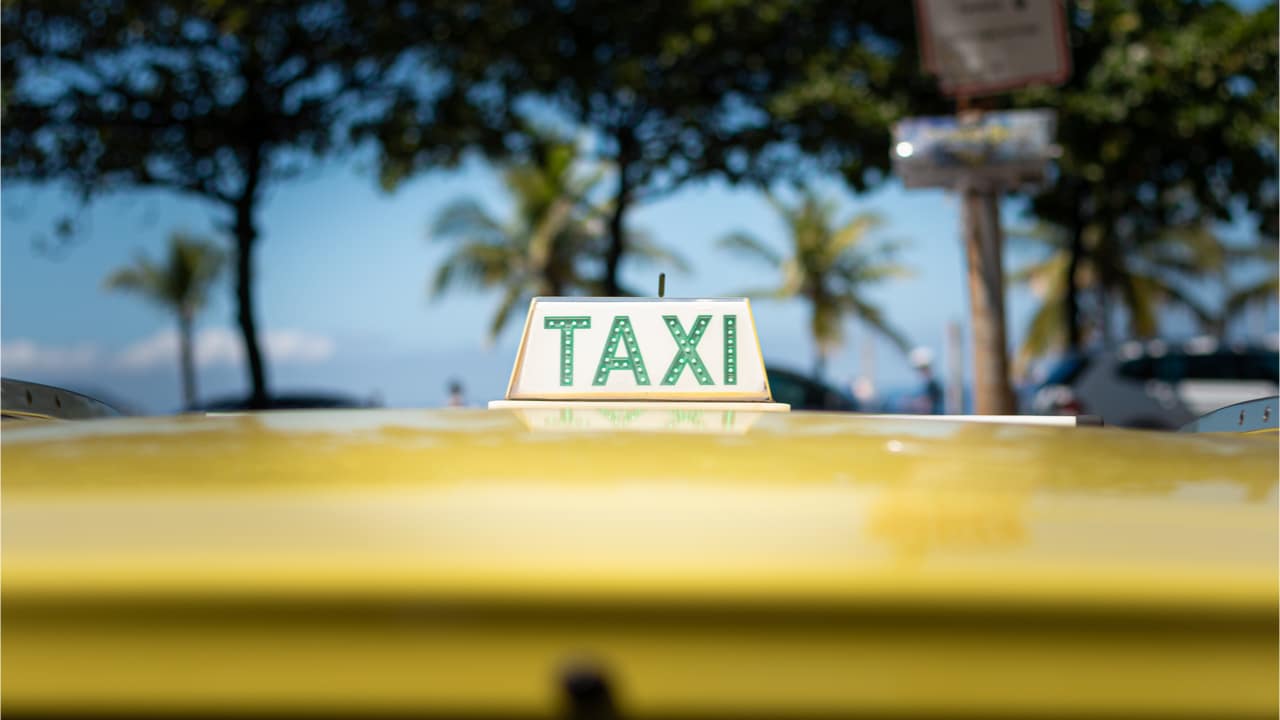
{"type": "Point", "coordinates": [830, 266]}
{"type": "Point", "coordinates": [669, 92]}
{"type": "Point", "coordinates": [212, 99]}
{"type": "Point", "coordinates": [1157, 275]}
{"type": "Point", "coordinates": [180, 282]}
{"type": "Point", "coordinates": [1168, 121]}
{"type": "Point", "coordinates": [549, 244]}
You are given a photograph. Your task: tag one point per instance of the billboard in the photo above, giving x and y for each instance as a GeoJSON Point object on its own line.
{"type": "Point", "coordinates": [992, 46]}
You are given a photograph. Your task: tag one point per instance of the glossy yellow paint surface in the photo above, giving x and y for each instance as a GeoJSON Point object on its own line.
{"type": "Point", "coordinates": [713, 564]}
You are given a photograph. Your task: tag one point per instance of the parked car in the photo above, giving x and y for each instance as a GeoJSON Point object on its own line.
{"type": "Point", "coordinates": [1156, 385]}
{"type": "Point", "coordinates": [805, 393]}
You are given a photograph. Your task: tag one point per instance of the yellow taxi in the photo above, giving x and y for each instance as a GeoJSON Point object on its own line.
{"type": "Point", "coordinates": [636, 531]}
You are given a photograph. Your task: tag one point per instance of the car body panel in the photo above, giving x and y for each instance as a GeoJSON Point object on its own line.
{"type": "Point", "coordinates": [790, 564]}
{"type": "Point", "coordinates": [1200, 397]}
{"type": "Point", "coordinates": [1258, 416]}
{"type": "Point", "coordinates": [22, 400]}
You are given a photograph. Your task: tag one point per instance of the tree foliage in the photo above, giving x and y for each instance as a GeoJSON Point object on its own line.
{"type": "Point", "coordinates": [1169, 120]}
{"type": "Point", "coordinates": [830, 266]}
{"type": "Point", "coordinates": [552, 245]}
{"type": "Point", "coordinates": [180, 283]}
{"type": "Point", "coordinates": [210, 99]}
{"type": "Point", "coordinates": [1191, 268]}
{"type": "Point", "coordinates": [669, 92]}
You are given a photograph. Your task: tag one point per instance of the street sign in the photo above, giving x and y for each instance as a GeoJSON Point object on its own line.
{"type": "Point", "coordinates": [982, 47]}
{"type": "Point", "coordinates": [996, 150]}
{"type": "Point", "coordinates": [639, 349]}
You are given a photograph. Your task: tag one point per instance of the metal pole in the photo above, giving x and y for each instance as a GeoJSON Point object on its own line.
{"type": "Point", "coordinates": [868, 360]}
{"type": "Point", "coordinates": [955, 369]}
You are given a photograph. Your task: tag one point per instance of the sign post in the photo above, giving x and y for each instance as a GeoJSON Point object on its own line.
{"type": "Point", "coordinates": [984, 254]}
{"type": "Point", "coordinates": [981, 48]}
{"type": "Point", "coordinates": [983, 241]}
{"type": "Point", "coordinates": [978, 155]}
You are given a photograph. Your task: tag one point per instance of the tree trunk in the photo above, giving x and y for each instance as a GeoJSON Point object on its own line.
{"type": "Point", "coordinates": [1220, 322]}
{"type": "Point", "coordinates": [982, 239]}
{"type": "Point", "coordinates": [813, 294]}
{"type": "Point", "coordinates": [187, 359]}
{"type": "Point", "coordinates": [1104, 312]}
{"type": "Point", "coordinates": [868, 359]}
{"type": "Point", "coordinates": [553, 281]}
{"type": "Point", "coordinates": [245, 234]}
{"type": "Point", "coordinates": [621, 202]}
{"type": "Point", "coordinates": [1071, 302]}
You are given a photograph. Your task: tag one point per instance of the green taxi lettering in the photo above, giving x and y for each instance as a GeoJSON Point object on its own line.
{"type": "Point", "coordinates": [687, 350]}
{"type": "Point", "coordinates": [730, 349]}
{"type": "Point", "coordinates": [685, 417]}
{"type": "Point", "coordinates": [620, 418]}
{"type": "Point", "coordinates": [566, 325]}
{"type": "Point", "coordinates": [621, 334]}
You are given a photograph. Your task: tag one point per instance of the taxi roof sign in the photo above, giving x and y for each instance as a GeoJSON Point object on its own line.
{"type": "Point", "coordinates": [639, 349]}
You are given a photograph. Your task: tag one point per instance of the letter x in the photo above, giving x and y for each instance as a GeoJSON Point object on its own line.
{"type": "Point", "coordinates": [687, 350]}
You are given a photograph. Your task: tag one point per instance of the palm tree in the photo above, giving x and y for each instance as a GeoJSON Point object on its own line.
{"type": "Point", "coordinates": [1142, 279]}
{"type": "Point", "coordinates": [180, 283]}
{"type": "Point", "coordinates": [1259, 292]}
{"type": "Point", "coordinates": [1214, 257]}
{"type": "Point", "coordinates": [548, 247]}
{"type": "Point", "coordinates": [830, 267]}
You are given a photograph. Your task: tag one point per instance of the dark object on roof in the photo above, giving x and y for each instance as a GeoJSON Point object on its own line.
{"type": "Point", "coordinates": [805, 393]}
{"type": "Point", "coordinates": [288, 401]}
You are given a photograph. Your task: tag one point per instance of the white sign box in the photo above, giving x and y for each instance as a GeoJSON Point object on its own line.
{"type": "Point", "coordinates": [639, 349]}
{"type": "Point", "coordinates": [979, 47]}
{"type": "Point", "coordinates": [996, 149]}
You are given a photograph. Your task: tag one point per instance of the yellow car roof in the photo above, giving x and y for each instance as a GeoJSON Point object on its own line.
{"type": "Point", "coordinates": [717, 563]}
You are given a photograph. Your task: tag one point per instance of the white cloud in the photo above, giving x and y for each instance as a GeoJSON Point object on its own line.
{"type": "Point", "coordinates": [25, 356]}
{"type": "Point", "coordinates": [214, 347]}
{"type": "Point", "coordinates": [217, 346]}
{"type": "Point", "coordinates": [159, 348]}
{"type": "Point", "coordinates": [297, 346]}
{"type": "Point", "coordinates": [222, 346]}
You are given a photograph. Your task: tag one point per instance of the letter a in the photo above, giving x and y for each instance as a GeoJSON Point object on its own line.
{"type": "Point", "coordinates": [621, 334]}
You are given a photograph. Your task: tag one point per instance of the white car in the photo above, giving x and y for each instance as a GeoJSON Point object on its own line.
{"type": "Point", "coordinates": [1156, 384]}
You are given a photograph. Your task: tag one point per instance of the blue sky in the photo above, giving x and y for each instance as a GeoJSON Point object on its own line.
{"type": "Point", "coordinates": [342, 287]}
